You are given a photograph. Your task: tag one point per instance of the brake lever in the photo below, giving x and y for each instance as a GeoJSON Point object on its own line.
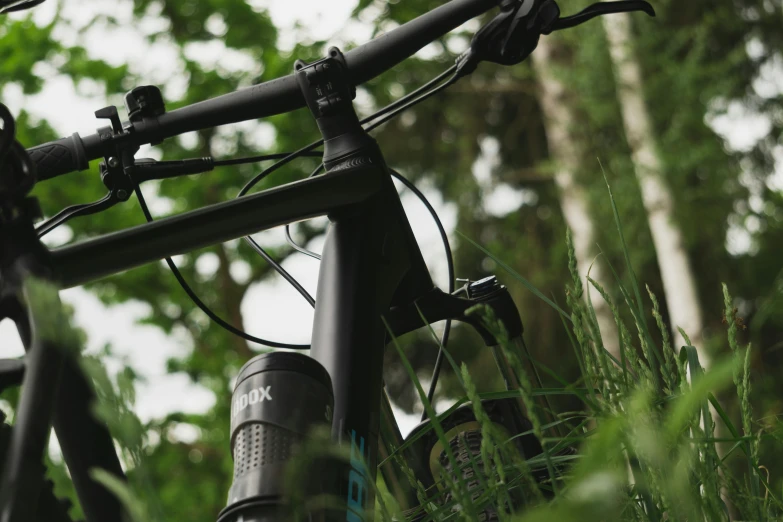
{"type": "Point", "coordinates": [120, 183]}
{"type": "Point", "coordinates": [108, 201]}
{"type": "Point", "coordinates": [120, 188]}
{"type": "Point", "coordinates": [510, 37]}
{"type": "Point", "coordinates": [599, 9]}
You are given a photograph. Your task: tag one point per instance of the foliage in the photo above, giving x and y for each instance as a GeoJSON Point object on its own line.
{"type": "Point", "coordinates": [645, 452]}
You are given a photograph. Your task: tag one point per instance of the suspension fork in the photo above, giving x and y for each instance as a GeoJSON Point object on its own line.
{"type": "Point", "coordinates": [21, 478]}
{"type": "Point", "coordinates": [54, 390]}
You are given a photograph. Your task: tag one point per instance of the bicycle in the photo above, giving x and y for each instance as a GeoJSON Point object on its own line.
{"type": "Point", "coordinates": [373, 283]}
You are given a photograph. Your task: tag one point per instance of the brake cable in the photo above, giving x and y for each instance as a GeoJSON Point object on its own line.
{"type": "Point", "coordinates": [204, 308]}
{"type": "Point", "coordinates": [392, 109]}
{"type": "Point", "coordinates": [145, 170]}
{"type": "Point", "coordinates": [456, 76]}
{"type": "Point", "coordinates": [288, 237]}
{"type": "Point", "coordinates": [264, 157]}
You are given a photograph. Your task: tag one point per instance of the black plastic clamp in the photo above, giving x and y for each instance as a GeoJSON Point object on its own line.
{"type": "Point", "coordinates": [324, 83]}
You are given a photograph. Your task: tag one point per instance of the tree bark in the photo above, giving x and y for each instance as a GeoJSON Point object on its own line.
{"type": "Point", "coordinates": [559, 119]}
{"type": "Point", "coordinates": [678, 281]}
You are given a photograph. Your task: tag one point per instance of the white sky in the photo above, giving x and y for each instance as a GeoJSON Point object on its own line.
{"type": "Point", "coordinates": [286, 316]}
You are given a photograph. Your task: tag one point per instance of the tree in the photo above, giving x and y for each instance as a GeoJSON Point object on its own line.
{"type": "Point", "coordinates": [678, 278]}
{"type": "Point", "coordinates": [560, 117]}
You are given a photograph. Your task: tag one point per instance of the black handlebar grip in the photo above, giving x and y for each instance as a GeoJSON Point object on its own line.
{"type": "Point", "coordinates": [59, 157]}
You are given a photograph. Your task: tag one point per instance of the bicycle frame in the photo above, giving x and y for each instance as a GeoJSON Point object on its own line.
{"type": "Point", "coordinates": [370, 262]}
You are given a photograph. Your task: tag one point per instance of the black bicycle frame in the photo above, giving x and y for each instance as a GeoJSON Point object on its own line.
{"type": "Point", "coordinates": [370, 262]}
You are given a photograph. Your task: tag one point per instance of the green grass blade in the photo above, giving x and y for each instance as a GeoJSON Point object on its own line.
{"type": "Point", "coordinates": [593, 400]}
{"type": "Point", "coordinates": [634, 282]}
{"type": "Point", "coordinates": [641, 324]}
{"type": "Point", "coordinates": [461, 486]}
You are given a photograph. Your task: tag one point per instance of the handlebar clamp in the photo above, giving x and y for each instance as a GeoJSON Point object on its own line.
{"type": "Point", "coordinates": [323, 83]}
{"type": "Point", "coordinates": [513, 34]}
{"type": "Point", "coordinates": [328, 91]}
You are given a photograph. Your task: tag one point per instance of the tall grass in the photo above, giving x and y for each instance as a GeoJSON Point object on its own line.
{"type": "Point", "coordinates": [644, 447]}
{"type": "Point", "coordinates": [646, 440]}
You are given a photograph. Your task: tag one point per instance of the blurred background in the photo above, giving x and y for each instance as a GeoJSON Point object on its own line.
{"type": "Point", "coordinates": [682, 113]}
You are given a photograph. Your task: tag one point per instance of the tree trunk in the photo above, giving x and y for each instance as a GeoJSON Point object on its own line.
{"type": "Point", "coordinates": [679, 284]}
{"type": "Point", "coordinates": [559, 119]}
{"type": "Point", "coordinates": [678, 281]}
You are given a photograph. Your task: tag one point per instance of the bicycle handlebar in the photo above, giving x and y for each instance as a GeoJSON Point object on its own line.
{"type": "Point", "coordinates": [265, 99]}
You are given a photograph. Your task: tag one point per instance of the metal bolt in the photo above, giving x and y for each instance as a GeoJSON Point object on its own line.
{"type": "Point", "coordinates": [122, 194]}
{"type": "Point", "coordinates": [113, 162]}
